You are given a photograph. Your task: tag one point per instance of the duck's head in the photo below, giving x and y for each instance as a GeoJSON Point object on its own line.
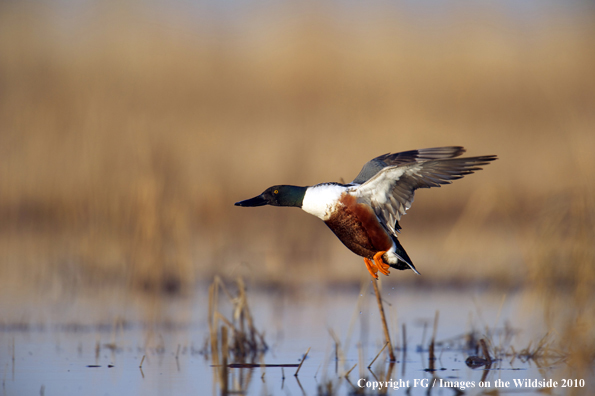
{"type": "Point", "coordinates": [282, 195]}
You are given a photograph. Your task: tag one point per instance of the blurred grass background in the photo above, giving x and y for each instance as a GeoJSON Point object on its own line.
{"type": "Point", "coordinates": [127, 132]}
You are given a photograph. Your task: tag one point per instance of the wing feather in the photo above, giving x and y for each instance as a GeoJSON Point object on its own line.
{"type": "Point", "coordinates": [390, 191]}
{"type": "Point", "coordinates": [375, 165]}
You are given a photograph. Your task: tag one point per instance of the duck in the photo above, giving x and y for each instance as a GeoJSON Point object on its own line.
{"type": "Point", "coordinates": [365, 213]}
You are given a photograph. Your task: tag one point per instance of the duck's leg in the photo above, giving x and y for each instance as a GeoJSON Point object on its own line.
{"type": "Point", "coordinates": [372, 269]}
{"type": "Point", "coordinates": [382, 267]}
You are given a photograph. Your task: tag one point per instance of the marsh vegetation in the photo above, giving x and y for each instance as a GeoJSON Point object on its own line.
{"type": "Point", "coordinates": [128, 131]}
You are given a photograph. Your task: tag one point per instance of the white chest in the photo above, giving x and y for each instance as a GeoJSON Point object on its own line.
{"type": "Point", "coordinates": [321, 199]}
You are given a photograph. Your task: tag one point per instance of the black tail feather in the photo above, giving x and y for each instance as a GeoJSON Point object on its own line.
{"type": "Point", "coordinates": [406, 263]}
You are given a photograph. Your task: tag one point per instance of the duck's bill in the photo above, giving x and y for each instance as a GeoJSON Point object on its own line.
{"type": "Point", "coordinates": [256, 201]}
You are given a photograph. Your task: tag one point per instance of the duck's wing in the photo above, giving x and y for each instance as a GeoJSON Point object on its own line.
{"type": "Point", "coordinates": [375, 165]}
{"type": "Point", "coordinates": [390, 192]}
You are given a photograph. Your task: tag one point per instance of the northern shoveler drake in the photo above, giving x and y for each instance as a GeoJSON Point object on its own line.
{"type": "Point", "coordinates": [365, 213]}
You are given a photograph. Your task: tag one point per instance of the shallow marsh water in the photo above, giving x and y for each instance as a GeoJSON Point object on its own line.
{"type": "Point", "coordinates": [60, 357]}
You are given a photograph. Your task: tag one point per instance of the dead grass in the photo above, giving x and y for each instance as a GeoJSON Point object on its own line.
{"type": "Point", "coordinates": [127, 136]}
{"type": "Point", "coordinates": [235, 340]}
{"type": "Point", "coordinates": [246, 344]}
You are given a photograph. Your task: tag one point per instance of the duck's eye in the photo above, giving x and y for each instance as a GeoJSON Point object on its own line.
{"type": "Point", "coordinates": [276, 192]}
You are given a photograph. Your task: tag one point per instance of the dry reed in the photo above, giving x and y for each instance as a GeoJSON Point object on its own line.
{"type": "Point", "coordinates": [301, 362]}
{"type": "Point", "coordinates": [246, 343]}
{"type": "Point", "coordinates": [391, 352]}
{"type": "Point", "coordinates": [124, 150]}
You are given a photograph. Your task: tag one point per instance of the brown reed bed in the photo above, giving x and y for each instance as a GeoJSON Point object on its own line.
{"type": "Point", "coordinates": [236, 343]}
{"type": "Point", "coordinates": [561, 264]}
{"type": "Point", "coordinates": [123, 150]}
{"type": "Point", "coordinates": [245, 344]}
{"type": "Point", "coordinates": [545, 352]}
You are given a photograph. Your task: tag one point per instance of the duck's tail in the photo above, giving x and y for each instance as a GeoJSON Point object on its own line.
{"type": "Point", "coordinates": [404, 260]}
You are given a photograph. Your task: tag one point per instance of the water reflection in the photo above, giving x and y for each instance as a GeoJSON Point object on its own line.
{"type": "Point", "coordinates": [339, 327]}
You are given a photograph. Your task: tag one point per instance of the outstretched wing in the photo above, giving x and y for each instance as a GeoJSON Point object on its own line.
{"type": "Point", "coordinates": [375, 165]}
{"type": "Point", "coordinates": [390, 192]}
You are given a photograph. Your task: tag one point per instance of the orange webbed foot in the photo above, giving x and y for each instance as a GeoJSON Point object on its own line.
{"type": "Point", "coordinates": [372, 269]}
{"type": "Point", "coordinates": [382, 267]}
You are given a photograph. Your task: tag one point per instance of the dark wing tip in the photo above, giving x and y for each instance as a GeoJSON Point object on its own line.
{"type": "Point", "coordinates": [482, 160]}
{"type": "Point", "coordinates": [426, 154]}
{"type": "Point", "coordinates": [442, 152]}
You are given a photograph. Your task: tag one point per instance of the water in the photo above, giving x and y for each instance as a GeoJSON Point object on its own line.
{"type": "Point", "coordinates": [60, 356]}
